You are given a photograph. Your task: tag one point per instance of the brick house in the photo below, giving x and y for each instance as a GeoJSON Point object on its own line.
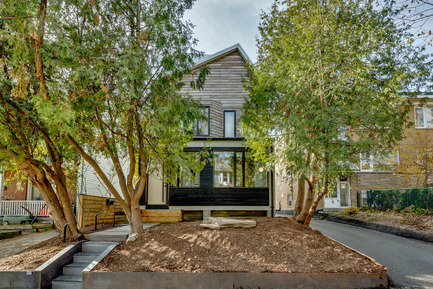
{"type": "Point", "coordinates": [404, 166]}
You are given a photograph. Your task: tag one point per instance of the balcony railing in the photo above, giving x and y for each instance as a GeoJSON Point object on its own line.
{"type": "Point", "coordinates": [15, 208]}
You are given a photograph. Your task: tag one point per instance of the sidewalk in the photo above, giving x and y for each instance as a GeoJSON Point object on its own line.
{"type": "Point", "coordinates": [17, 244]}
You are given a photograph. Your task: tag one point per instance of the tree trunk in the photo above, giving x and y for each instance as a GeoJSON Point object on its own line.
{"type": "Point", "coordinates": [307, 205]}
{"type": "Point", "coordinates": [135, 219]}
{"type": "Point", "coordinates": [57, 210]}
{"type": "Point", "coordinates": [314, 206]}
{"type": "Point", "coordinates": [63, 196]}
{"type": "Point", "coordinates": [300, 198]}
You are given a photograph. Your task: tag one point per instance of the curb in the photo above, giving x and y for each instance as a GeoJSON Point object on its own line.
{"type": "Point", "coordinates": [381, 228]}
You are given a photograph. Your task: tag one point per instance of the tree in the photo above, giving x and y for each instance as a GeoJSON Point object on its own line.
{"type": "Point", "coordinates": [416, 15]}
{"type": "Point", "coordinates": [26, 141]}
{"type": "Point", "coordinates": [123, 63]}
{"type": "Point", "coordinates": [416, 159]}
{"type": "Point", "coordinates": [326, 88]}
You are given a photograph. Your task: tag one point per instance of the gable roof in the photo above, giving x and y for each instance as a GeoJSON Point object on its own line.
{"type": "Point", "coordinates": [209, 58]}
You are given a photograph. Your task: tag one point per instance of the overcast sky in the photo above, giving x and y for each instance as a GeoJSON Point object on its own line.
{"type": "Point", "coordinates": [222, 23]}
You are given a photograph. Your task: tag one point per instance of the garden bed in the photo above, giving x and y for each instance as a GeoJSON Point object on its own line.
{"type": "Point", "coordinates": [277, 245]}
{"type": "Point", "coordinates": [408, 225]}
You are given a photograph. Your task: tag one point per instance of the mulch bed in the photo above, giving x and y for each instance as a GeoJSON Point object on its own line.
{"type": "Point", "coordinates": [274, 245]}
{"type": "Point", "coordinates": [34, 256]}
{"type": "Point", "coordinates": [411, 222]}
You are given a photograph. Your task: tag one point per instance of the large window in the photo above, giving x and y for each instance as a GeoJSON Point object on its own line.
{"type": "Point", "coordinates": [229, 123]}
{"type": "Point", "coordinates": [203, 125]}
{"type": "Point", "coordinates": [384, 163]}
{"type": "Point", "coordinates": [188, 177]}
{"type": "Point", "coordinates": [424, 117]}
{"type": "Point", "coordinates": [238, 169]}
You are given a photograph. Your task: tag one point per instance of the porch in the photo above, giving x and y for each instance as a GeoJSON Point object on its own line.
{"type": "Point", "coordinates": [16, 208]}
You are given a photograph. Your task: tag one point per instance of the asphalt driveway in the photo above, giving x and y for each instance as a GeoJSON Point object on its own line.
{"type": "Point", "coordinates": [409, 262]}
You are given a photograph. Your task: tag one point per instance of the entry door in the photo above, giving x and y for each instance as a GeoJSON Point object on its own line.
{"type": "Point", "coordinates": [340, 195]}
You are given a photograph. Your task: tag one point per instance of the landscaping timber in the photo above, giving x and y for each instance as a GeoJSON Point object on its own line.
{"type": "Point", "coordinates": [216, 223]}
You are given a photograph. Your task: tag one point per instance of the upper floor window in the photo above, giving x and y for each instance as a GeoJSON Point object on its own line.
{"type": "Point", "coordinates": [424, 117]}
{"type": "Point", "coordinates": [384, 163]}
{"type": "Point", "coordinates": [229, 123]}
{"type": "Point", "coordinates": [203, 125]}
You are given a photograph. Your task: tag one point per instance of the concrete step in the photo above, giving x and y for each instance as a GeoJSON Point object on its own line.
{"type": "Point", "coordinates": [74, 268]}
{"type": "Point", "coordinates": [96, 247]}
{"type": "Point", "coordinates": [108, 237]}
{"type": "Point", "coordinates": [84, 257]}
{"type": "Point", "coordinates": [67, 282]}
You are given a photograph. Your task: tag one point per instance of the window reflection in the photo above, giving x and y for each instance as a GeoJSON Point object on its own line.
{"type": "Point", "coordinates": [238, 169]}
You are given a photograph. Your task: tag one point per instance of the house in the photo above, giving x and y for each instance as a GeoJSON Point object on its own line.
{"type": "Point", "coordinates": [16, 194]}
{"type": "Point", "coordinates": [405, 167]}
{"type": "Point", "coordinates": [233, 182]}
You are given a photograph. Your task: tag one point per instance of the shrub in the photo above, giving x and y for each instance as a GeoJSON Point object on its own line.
{"type": "Point", "coordinates": [351, 211]}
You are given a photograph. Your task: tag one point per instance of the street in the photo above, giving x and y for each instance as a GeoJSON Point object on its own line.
{"type": "Point", "coordinates": [409, 262]}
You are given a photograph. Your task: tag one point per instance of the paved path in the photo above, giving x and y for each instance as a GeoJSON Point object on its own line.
{"type": "Point", "coordinates": [17, 244]}
{"type": "Point", "coordinates": [409, 262]}
{"type": "Point", "coordinates": [118, 234]}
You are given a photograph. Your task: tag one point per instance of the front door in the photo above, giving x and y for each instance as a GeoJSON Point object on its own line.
{"type": "Point", "coordinates": [340, 195]}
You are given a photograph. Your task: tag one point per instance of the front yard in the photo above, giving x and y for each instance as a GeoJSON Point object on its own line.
{"type": "Point", "coordinates": [274, 245]}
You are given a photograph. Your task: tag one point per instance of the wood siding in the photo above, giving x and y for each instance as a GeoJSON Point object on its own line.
{"type": "Point", "coordinates": [223, 90]}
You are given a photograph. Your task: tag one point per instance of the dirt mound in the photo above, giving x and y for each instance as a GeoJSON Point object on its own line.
{"type": "Point", "coordinates": [274, 245]}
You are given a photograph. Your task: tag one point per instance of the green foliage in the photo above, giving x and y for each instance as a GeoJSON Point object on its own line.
{"type": "Point", "coordinates": [328, 86]}
{"type": "Point", "coordinates": [350, 211]}
{"type": "Point", "coordinates": [415, 200]}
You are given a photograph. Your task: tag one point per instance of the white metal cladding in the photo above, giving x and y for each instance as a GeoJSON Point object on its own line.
{"type": "Point", "coordinates": [15, 208]}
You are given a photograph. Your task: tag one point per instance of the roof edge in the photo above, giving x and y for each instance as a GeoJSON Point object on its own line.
{"type": "Point", "coordinates": [224, 52]}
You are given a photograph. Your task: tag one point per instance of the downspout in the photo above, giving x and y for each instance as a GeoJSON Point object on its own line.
{"type": "Point", "coordinates": [2, 181]}
{"type": "Point", "coordinates": [271, 191]}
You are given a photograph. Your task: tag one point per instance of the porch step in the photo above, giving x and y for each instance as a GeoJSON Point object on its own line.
{"type": "Point", "coordinates": [71, 278]}
{"type": "Point", "coordinates": [74, 268]}
{"type": "Point", "coordinates": [67, 282]}
{"type": "Point", "coordinates": [96, 247]}
{"type": "Point", "coordinates": [84, 257]}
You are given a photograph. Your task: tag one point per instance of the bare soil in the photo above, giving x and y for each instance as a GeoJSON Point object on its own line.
{"type": "Point", "coordinates": [274, 245]}
{"type": "Point", "coordinates": [31, 255]}
{"type": "Point", "coordinates": [412, 222]}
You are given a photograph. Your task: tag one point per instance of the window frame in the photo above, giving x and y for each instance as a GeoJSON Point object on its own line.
{"type": "Point", "coordinates": [234, 123]}
{"type": "Point", "coordinates": [373, 164]}
{"type": "Point", "coordinates": [424, 107]}
{"type": "Point", "coordinates": [243, 151]}
{"type": "Point", "coordinates": [208, 124]}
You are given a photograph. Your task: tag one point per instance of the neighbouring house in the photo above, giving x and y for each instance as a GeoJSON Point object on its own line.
{"type": "Point", "coordinates": [234, 183]}
{"type": "Point", "coordinates": [16, 194]}
{"type": "Point", "coordinates": [405, 167]}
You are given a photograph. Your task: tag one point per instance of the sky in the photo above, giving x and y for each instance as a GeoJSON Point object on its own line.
{"type": "Point", "coordinates": [223, 23]}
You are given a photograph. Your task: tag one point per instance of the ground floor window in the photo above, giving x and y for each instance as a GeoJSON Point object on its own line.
{"type": "Point", "coordinates": [238, 169]}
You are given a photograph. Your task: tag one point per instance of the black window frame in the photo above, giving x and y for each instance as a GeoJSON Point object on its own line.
{"type": "Point", "coordinates": [234, 123]}
{"type": "Point", "coordinates": [208, 124]}
{"type": "Point", "coordinates": [244, 152]}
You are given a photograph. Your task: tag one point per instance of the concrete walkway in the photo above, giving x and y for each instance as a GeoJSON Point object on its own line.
{"type": "Point", "coordinates": [409, 262]}
{"type": "Point", "coordinates": [118, 234]}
